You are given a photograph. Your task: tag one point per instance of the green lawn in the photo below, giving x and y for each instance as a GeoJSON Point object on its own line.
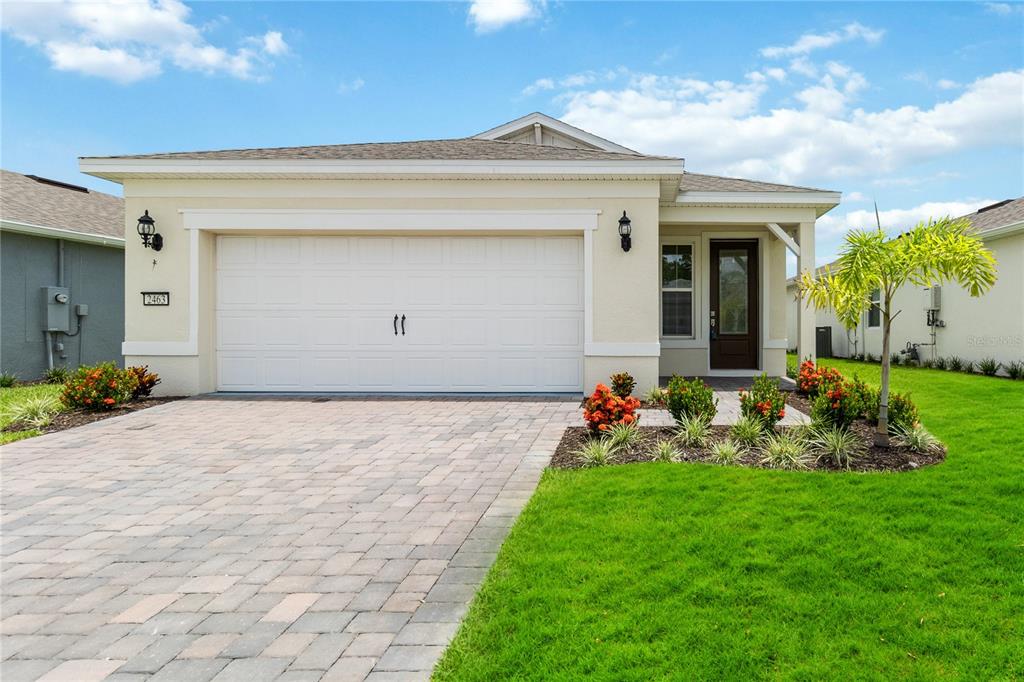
{"type": "Point", "coordinates": [11, 396]}
{"type": "Point", "coordinates": [690, 572]}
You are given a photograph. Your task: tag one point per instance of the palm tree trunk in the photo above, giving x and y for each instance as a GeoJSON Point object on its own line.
{"type": "Point", "coordinates": [882, 431]}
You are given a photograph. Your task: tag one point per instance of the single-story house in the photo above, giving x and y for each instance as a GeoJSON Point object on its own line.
{"type": "Point", "coordinates": [61, 275]}
{"type": "Point", "coordinates": [944, 321]}
{"type": "Point", "coordinates": [532, 257]}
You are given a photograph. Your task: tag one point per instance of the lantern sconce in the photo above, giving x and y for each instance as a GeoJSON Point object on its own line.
{"type": "Point", "coordinates": [625, 229]}
{"type": "Point", "coordinates": [151, 239]}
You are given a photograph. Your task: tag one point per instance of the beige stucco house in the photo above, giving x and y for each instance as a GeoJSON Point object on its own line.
{"type": "Point", "coordinates": [491, 263]}
{"type": "Point", "coordinates": [946, 321]}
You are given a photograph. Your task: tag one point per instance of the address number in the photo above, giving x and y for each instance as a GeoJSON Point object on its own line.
{"type": "Point", "coordinates": [156, 298]}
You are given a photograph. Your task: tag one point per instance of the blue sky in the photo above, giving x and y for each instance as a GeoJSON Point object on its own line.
{"type": "Point", "coordinates": [917, 105]}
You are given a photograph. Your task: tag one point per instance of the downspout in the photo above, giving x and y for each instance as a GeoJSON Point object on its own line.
{"type": "Point", "coordinates": [60, 282]}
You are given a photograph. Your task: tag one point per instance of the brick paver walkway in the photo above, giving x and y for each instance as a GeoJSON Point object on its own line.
{"type": "Point", "coordinates": [260, 539]}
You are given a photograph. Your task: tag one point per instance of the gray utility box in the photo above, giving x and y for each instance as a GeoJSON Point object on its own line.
{"type": "Point", "coordinates": [56, 309]}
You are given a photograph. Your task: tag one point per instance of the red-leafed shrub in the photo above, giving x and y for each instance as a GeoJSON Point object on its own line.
{"type": "Point", "coordinates": [764, 402]}
{"type": "Point", "coordinates": [144, 379]}
{"type": "Point", "coordinates": [102, 387]}
{"type": "Point", "coordinates": [603, 409]}
{"type": "Point", "coordinates": [810, 379]}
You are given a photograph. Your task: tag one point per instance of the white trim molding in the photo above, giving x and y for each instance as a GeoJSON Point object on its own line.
{"type": "Point", "coordinates": [387, 219]}
{"type": "Point", "coordinates": [784, 238]}
{"type": "Point", "coordinates": [61, 233]}
{"type": "Point", "coordinates": [537, 118]}
{"type": "Point", "coordinates": [807, 198]}
{"type": "Point", "coordinates": [622, 350]}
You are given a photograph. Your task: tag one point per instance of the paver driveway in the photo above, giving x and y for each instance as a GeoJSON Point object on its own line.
{"type": "Point", "coordinates": [257, 539]}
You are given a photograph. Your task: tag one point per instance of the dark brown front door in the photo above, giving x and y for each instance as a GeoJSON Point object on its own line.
{"type": "Point", "coordinates": [734, 305]}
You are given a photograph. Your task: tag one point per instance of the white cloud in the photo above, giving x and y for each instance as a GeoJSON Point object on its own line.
{"type": "Point", "coordinates": [348, 87]}
{"type": "Point", "coordinates": [539, 85]}
{"type": "Point", "coordinates": [1004, 9]}
{"type": "Point", "coordinates": [492, 15]}
{"type": "Point", "coordinates": [854, 197]}
{"type": "Point", "coordinates": [722, 128]}
{"type": "Point", "coordinates": [129, 40]}
{"type": "Point", "coordinates": [809, 42]}
{"type": "Point", "coordinates": [572, 81]}
{"type": "Point", "coordinates": [946, 84]}
{"type": "Point", "coordinates": [776, 73]}
{"type": "Point", "coordinates": [274, 44]}
{"type": "Point", "coordinates": [804, 67]}
{"type": "Point", "coordinates": [896, 220]}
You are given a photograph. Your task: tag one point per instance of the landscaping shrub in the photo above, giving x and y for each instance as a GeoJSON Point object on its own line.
{"type": "Point", "coordinates": [8, 380]}
{"type": "Point", "coordinates": [837, 405]}
{"type": "Point", "coordinates": [35, 412]}
{"type": "Point", "coordinates": [656, 395]}
{"type": "Point", "coordinates": [895, 359]}
{"type": "Point", "coordinates": [954, 363]}
{"type": "Point", "coordinates": [725, 452]}
{"type": "Point", "coordinates": [603, 409]}
{"type": "Point", "coordinates": [665, 451]}
{"type": "Point", "coordinates": [764, 402]}
{"type": "Point", "coordinates": [861, 393]}
{"type": "Point", "coordinates": [836, 445]}
{"type": "Point", "coordinates": [940, 363]}
{"type": "Point", "coordinates": [56, 375]}
{"type": "Point", "coordinates": [623, 384]}
{"type": "Point", "coordinates": [902, 411]}
{"type": "Point", "coordinates": [694, 431]}
{"type": "Point", "coordinates": [926, 363]}
{"type": "Point", "coordinates": [918, 438]}
{"type": "Point", "coordinates": [145, 381]}
{"type": "Point", "coordinates": [595, 453]}
{"type": "Point", "coordinates": [621, 435]}
{"type": "Point", "coordinates": [792, 368]}
{"type": "Point", "coordinates": [871, 358]}
{"type": "Point", "coordinates": [786, 450]}
{"type": "Point", "coordinates": [968, 367]}
{"type": "Point", "coordinates": [810, 378]}
{"type": "Point", "coordinates": [747, 431]}
{"type": "Point", "coordinates": [1015, 370]}
{"type": "Point", "coordinates": [690, 398]}
{"type": "Point", "coordinates": [101, 387]}
{"type": "Point", "coordinates": [989, 366]}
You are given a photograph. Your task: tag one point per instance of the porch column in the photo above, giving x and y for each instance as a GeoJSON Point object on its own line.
{"type": "Point", "coordinates": [806, 318]}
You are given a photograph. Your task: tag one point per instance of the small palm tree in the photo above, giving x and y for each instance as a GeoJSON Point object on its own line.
{"type": "Point", "coordinates": [929, 254]}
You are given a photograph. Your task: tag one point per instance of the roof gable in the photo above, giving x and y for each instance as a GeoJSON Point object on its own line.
{"type": "Point", "coordinates": [543, 130]}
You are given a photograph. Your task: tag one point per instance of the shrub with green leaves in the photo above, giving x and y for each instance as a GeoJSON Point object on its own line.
{"type": "Point", "coordinates": [895, 358]}
{"type": "Point", "coordinates": [8, 380]}
{"type": "Point", "coordinates": [35, 412]}
{"type": "Point", "coordinates": [690, 398]}
{"type": "Point", "coordinates": [56, 375]}
{"type": "Point", "coordinates": [968, 367]}
{"type": "Point", "coordinates": [725, 452]}
{"type": "Point", "coordinates": [918, 438]}
{"type": "Point", "coordinates": [902, 411]}
{"type": "Point", "coordinates": [954, 363]}
{"type": "Point", "coordinates": [1015, 369]}
{"type": "Point", "coordinates": [764, 402]}
{"type": "Point", "coordinates": [101, 387]}
{"type": "Point", "coordinates": [837, 404]}
{"type": "Point", "coordinates": [623, 384]}
{"type": "Point", "coordinates": [595, 452]}
{"type": "Point", "coordinates": [989, 366]}
{"type": "Point", "coordinates": [665, 451]}
{"type": "Point", "coordinates": [621, 435]}
{"type": "Point", "coordinates": [792, 368]}
{"type": "Point", "coordinates": [656, 395]}
{"type": "Point", "coordinates": [694, 431]}
{"type": "Point", "coordinates": [926, 363]}
{"type": "Point", "coordinates": [747, 431]}
{"type": "Point", "coordinates": [786, 450]}
{"type": "Point", "coordinates": [838, 446]}
{"type": "Point", "coordinates": [940, 363]}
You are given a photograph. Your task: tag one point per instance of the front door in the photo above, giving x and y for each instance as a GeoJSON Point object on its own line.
{"type": "Point", "coordinates": [734, 298]}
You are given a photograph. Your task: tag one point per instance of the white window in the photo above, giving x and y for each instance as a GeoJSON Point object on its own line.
{"type": "Point", "coordinates": [875, 311]}
{"type": "Point", "coordinates": [677, 290]}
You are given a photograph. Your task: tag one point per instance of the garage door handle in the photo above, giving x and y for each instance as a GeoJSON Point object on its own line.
{"type": "Point", "coordinates": [403, 325]}
{"type": "Point", "coordinates": [396, 325]}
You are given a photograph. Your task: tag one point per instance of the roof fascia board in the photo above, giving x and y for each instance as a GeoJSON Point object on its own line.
{"type": "Point", "coordinates": [61, 233]}
{"type": "Point", "coordinates": [733, 198]}
{"type": "Point", "coordinates": [1002, 231]}
{"type": "Point", "coordinates": [556, 125]}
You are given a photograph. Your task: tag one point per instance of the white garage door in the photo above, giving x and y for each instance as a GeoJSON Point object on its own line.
{"type": "Point", "coordinates": [311, 313]}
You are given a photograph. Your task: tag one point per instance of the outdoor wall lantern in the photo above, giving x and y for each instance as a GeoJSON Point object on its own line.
{"type": "Point", "coordinates": [152, 239]}
{"type": "Point", "coordinates": [625, 228]}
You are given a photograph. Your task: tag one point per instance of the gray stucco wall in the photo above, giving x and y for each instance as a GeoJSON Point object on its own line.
{"type": "Point", "coordinates": [95, 275]}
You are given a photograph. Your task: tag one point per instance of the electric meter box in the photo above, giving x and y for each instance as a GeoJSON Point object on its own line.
{"type": "Point", "coordinates": [933, 298]}
{"type": "Point", "coordinates": [56, 309]}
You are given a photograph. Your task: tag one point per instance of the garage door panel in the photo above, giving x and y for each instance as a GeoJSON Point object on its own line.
{"type": "Point", "coordinates": [302, 313]}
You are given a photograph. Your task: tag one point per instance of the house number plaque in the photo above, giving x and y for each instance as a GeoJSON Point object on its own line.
{"type": "Point", "coordinates": [156, 298]}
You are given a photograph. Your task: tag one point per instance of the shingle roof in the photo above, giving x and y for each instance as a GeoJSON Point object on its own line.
{"type": "Point", "coordinates": [696, 182]}
{"type": "Point", "coordinates": [997, 215]}
{"type": "Point", "coordinates": [26, 200]}
{"type": "Point", "coordinates": [465, 149]}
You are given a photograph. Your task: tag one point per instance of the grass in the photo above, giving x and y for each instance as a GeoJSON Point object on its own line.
{"type": "Point", "coordinates": [11, 396]}
{"type": "Point", "coordinates": [679, 571]}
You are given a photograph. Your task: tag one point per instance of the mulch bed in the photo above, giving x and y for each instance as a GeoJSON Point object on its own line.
{"type": "Point", "coordinates": [73, 418]}
{"type": "Point", "coordinates": [873, 459]}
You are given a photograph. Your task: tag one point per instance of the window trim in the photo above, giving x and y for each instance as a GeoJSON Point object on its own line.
{"type": "Point", "coordinates": [678, 241]}
{"type": "Point", "coordinates": [875, 296]}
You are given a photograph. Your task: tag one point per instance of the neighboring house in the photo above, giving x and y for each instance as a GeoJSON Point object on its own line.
{"type": "Point", "coordinates": [491, 263]}
{"type": "Point", "coordinates": [61, 275]}
{"type": "Point", "coordinates": [946, 321]}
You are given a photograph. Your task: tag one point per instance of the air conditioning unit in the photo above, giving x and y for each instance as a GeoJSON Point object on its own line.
{"type": "Point", "coordinates": [933, 298]}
